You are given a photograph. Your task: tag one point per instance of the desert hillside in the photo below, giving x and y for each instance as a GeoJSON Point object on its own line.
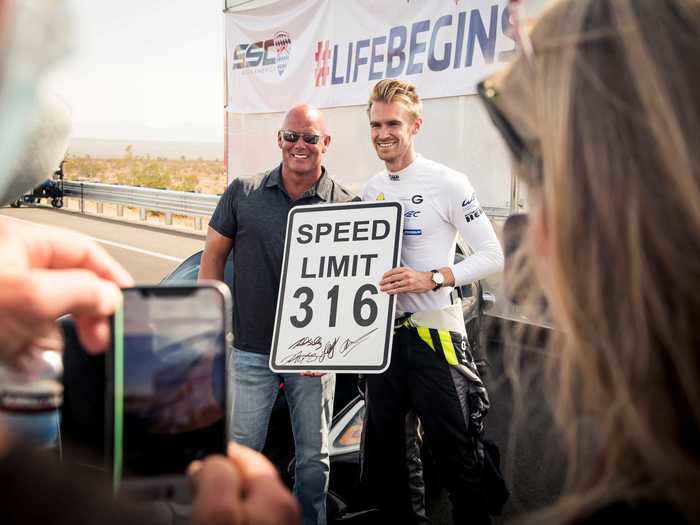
{"type": "Point", "coordinates": [201, 176]}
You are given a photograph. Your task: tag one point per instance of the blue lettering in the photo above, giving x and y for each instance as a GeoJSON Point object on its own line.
{"type": "Point", "coordinates": [460, 39]}
{"type": "Point", "coordinates": [335, 79]}
{"type": "Point", "coordinates": [433, 63]}
{"type": "Point", "coordinates": [402, 54]}
{"type": "Point", "coordinates": [487, 42]}
{"type": "Point", "coordinates": [359, 61]}
{"type": "Point", "coordinates": [347, 69]}
{"type": "Point", "coordinates": [396, 50]}
{"type": "Point", "coordinates": [376, 58]}
{"type": "Point", "coordinates": [415, 48]}
{"type": "Point", "coordinates": [268, 60]}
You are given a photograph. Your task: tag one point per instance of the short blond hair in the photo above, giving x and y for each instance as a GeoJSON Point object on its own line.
{"type": "Point", "coordinates": [392, 90]}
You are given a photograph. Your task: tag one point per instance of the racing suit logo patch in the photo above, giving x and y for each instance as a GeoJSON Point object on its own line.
{"type": "Point", "coordinates": [471, 208]}
{"type": "Point", "coordinates": [474, 215]}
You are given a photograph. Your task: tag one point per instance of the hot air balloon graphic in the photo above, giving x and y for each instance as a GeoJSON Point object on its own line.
{"type": "Point", "coordinates": [282, 44]}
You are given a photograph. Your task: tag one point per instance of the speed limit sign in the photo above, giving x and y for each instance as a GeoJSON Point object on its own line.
{"type": "Point", "coordinates": [331, 316]}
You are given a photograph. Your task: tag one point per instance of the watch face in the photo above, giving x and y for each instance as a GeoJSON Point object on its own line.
{"type": "Point", "coordinates": [438, 278]}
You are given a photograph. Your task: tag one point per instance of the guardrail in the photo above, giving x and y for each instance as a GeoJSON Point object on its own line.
{"type": "Point", "coordinates": [170, 202]}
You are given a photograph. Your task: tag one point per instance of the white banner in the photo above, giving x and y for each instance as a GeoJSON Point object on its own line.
{"type": "Point", "coordinates": [331, 316]}
{"type": "Point", "coordinates": [330, 52]}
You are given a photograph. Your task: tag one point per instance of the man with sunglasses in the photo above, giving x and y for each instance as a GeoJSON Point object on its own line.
{"type": "Point", "coordinates": [432, 371]}
{"type": "Point", "coordinates": [252, 214]}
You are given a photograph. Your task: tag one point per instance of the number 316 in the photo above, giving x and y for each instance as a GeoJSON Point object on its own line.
{"type": "Point", "coordinates": [357, 306]}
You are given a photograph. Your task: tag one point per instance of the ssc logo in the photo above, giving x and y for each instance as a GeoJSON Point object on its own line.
{"type": "Point", "coordinates": [417, 199]}
{"type": "Point", "coordinates": [411, 214]}
{"type": "Point", "coordinates": [264, 56]}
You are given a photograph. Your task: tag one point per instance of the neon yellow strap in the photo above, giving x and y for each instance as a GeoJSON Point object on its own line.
{"type": "Point", "coordinates": [424, 334]}
{"type": "Point", "coordinates": [447, 347]}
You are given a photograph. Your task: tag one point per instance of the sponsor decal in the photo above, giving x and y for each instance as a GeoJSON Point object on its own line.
{"type": "Point", "coordinates": [380, 197]}
{"type": "Point", "coordinates": [475, 214]}
{"type": "Point", "coordinates": [394, 176]}
{"type": "Point", "coordinates": [417, 199]}
{"type": "Point", "coordinates": [467, 202]}
{"type": "Point", "coordinates": [264, 56]}
{"type": "Point", "coordinates": [471, 208]}
{"type": "Point", "coordinates": [444, 49]}
{"type": "Point", "coordinates": [415, 231]}
{"type": "Point", "coordinates": [412, 214]}
{"type": "Point", "coordinates": [462, 350]}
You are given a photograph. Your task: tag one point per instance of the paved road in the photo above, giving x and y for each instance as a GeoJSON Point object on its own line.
{"type": "Point", "coordinates": [148, 253]}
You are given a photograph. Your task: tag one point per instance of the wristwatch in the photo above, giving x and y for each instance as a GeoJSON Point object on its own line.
{"type": "Point", "coordinates": [438, 279]}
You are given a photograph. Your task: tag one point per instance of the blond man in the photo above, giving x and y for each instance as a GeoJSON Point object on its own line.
{"type": "Point", "coordinates": [432, 371]}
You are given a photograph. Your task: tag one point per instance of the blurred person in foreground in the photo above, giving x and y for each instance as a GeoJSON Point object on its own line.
{"type": "Point", "coordinates": [47, 272]}
{"type": "Point", "coordinates": [601, 113]}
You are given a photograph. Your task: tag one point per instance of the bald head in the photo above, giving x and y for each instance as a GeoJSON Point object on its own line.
{"type": "Point", "coordinates": [303, 140]}
{"type": "Point", "coordinates": [305, 116]}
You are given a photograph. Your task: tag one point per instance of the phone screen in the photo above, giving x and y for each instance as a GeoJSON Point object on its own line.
{"type": "Point", "coordinates": [169, 380]}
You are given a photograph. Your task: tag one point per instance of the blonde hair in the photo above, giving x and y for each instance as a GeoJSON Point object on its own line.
{"type": "Point", "coordinates": [392, 90]}
{"type": "Point", "coordinates": [612, 96]}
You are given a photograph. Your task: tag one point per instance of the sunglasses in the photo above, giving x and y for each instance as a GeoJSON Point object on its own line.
{"type": "Point", "coordinates": [293, 136]}
{"type": "Point", "coordinates": [524, 152]}
{"type": "Point", "coordinates": [488, 94]}
{"type": "Point", "coordinates": [521, 13]}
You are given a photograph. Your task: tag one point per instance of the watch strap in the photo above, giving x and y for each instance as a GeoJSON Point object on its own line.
{"type": "Point", "coordinates": [437, 285]}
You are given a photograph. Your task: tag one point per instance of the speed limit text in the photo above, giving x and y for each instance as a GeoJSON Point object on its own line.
{"type": "Point", "coordinates": [347, 231]}
{"type": "Point", "coordinates": [340, 265]}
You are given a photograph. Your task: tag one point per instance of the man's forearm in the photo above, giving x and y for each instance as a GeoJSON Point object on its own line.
{"type": "Point", "coordinates": [212, 267]}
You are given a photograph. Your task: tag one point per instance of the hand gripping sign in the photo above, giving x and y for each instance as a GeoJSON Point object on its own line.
{"type": "Point", "coordinates": [331, 316]}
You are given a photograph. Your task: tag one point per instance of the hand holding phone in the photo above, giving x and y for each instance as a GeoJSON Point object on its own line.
{"type": "Point", "coordinates": [243, 487]}
{"type": "Point", "coordinates": [167, 385]}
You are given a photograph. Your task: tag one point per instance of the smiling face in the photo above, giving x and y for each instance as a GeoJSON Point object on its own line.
{"type": "Point", "coordinates": [393, 130]}
{"type": "Point", "coordinates": [299, 158]}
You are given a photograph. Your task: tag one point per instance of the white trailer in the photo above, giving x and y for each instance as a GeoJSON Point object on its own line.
{"type": "Point", "coordinates": [330, 52]}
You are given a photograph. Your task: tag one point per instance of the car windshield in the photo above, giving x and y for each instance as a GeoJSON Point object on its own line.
{"type": "Point", "coordinates": [189, 270]}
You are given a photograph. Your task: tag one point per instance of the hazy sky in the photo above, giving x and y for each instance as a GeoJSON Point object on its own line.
{"type": "Point", "coordinates": [145, 70]}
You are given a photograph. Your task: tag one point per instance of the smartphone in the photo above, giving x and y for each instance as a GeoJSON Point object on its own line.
{"type": "Point", "coordinates": [167, 386]}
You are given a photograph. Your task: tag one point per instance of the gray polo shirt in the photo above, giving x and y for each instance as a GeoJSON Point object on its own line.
{"type": "Point", "coordinates": [253, 212]}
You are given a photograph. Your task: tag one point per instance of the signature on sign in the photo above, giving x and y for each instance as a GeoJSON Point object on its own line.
{"type": "Point", "coordinates": [315, 350]}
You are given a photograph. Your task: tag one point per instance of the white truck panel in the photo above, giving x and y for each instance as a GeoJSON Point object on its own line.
{"type": "Point", "coordinates": [455, 132]}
